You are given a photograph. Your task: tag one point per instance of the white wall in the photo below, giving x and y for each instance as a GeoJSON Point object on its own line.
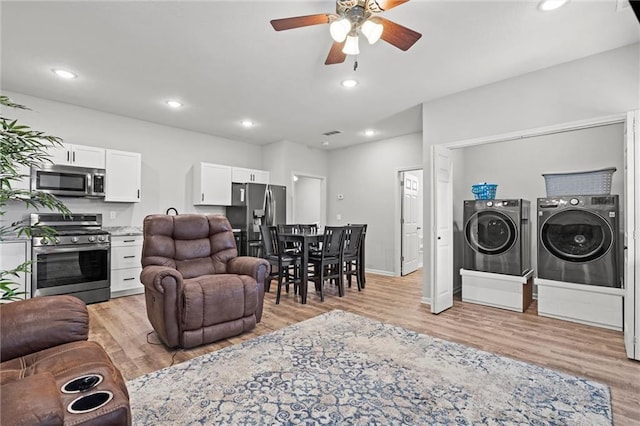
{"type": "Point", "coordinates": [595, 86]}
{"type": "Point", "coordinates": [167, 155]}
{"type": "Point", "coordinates": [307, 197]}
{"type": "Point", "coordinates": [367, 176]}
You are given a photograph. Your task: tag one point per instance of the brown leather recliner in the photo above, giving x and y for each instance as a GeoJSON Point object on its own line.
{"type": "Point", "coordinates": [43, 347]}
{"type": "Point", "coordinates": [197, 289]}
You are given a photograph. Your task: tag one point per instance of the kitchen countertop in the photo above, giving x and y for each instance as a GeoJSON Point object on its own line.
{"type": "Point", "coordinates": [123, 230]}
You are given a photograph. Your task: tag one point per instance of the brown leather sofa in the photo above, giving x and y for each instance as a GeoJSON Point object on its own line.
{"type": "Point", "coordinates": [49, 373]}
{"type": "Point", "coordinates": [197, 289]}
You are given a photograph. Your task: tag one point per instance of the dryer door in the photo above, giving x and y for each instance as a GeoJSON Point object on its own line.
{"type": "Point", "coordinates": [490, 232]}
{"type": "Point", "coordinates": [577, 235]}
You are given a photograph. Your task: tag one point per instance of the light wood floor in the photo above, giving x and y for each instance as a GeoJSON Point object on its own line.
{"type": "Point", "coordinates": [121, 326]}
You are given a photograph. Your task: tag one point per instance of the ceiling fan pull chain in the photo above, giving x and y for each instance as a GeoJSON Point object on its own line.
{"type": "Point", "coordinates": [355, 64]}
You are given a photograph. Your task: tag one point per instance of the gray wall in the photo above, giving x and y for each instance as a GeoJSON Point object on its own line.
{"type": "Point", "coordinates": [367, 176]}
{"type": "Point", "coordinates": [595, 86]}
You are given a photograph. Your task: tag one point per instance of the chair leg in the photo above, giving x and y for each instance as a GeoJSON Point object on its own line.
{"type": "Point", "coordinates": [279, 286]}
{"type": "Point", "coordinates": [340, 280]}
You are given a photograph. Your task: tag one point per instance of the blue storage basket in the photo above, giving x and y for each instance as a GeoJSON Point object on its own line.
{"type": "Point", "coordinates": [484, 191]}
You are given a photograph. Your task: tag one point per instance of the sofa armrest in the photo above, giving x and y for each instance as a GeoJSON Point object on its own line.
{"type": "Point", "coordinates": [33, 400]}
{"type": "Point", "coordinates": [31, 325]}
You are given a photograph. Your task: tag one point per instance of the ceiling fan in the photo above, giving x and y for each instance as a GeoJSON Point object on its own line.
{"type": "Point", "coordinates": [352, 18]}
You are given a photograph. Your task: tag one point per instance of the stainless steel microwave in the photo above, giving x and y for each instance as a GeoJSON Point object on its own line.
{"type": "Point", "coordinates": [68, 181]}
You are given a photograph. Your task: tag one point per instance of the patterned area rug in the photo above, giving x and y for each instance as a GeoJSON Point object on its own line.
{"type": "Point", "coordinates": [341, 368]}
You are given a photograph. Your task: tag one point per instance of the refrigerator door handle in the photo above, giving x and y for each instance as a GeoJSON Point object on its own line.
{"type": "Point", "coordinates": [269, 213]}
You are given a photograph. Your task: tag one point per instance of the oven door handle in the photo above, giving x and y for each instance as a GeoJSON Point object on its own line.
{"type": "Point", "coordinates": [68, 249]}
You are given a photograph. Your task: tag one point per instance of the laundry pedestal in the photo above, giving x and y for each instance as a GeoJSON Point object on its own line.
{"type": "Point", "coordinates": [511, 292]}
{"type": "Point", "coordinates": [585, 304]}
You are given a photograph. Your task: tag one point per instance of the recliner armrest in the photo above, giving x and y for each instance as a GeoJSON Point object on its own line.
{"type": "Point", "coordinates": [246, 265]}
{"type": "Point", "coordinates": [152, 276]}
{"type": "Point", "coordinates": [31, 325]}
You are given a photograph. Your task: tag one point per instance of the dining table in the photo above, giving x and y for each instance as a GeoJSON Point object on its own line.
{"type": "Point", "coordinates": [305, 239]}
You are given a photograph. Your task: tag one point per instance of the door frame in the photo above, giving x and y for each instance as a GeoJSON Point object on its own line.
{"type": "Point", "coordinates": [430, 255]}
{"type": "Point", "coordinates": [323, 196]}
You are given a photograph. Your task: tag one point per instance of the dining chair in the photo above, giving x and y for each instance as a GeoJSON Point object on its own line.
{"type": "Point", "coordinates": [361, 250]}
{"type": "Point", "coordinates": [351, 258]}
{"type": "Point", "coordinates": [327, 263]}
{"type": "Point", "coordinates": [290, 246]}
{"type": "Point", "coordinates": [287, 264]}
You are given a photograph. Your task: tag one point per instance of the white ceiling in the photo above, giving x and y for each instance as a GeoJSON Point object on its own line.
{"type": "Point", "coordinates": [225, 62]}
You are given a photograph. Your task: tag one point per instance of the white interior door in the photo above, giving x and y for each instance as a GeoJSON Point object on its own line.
{"type": "Point", "coordinates": [410, 213]}
{"type": "Point", "coordinates": [442, 227]}
{"type": "Point", "coordinates": [632, 249]}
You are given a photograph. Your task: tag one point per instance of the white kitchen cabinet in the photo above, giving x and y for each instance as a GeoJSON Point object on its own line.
{"type": "Point", "coordinates": [242, 175]}
{"type": "Point", "coordinates": [126, 251]}
{"type": "Point", "coordinates": [25, 182]}
{"type": "Point", "coordinates": [12, 254]}
{"type": "Point", "coordinates": [123, 176]}
{"type": "Point", "coordinates": [211, 184]}
{"type": "Point", "coordinates": [78, 155]}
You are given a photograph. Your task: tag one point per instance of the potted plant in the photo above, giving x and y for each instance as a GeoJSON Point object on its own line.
{"type": "Point", "coordinates": [20, 149]}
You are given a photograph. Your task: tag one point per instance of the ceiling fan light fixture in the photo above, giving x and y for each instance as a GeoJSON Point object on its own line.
{"type": "Point", "coordinates": [372, 30]}
{"type": "Point", "coordinates": [351, 46]}
{"type": "Point", "coordinates": [339, 29]}
{"type": "Point", "coordinates": [548, 5]}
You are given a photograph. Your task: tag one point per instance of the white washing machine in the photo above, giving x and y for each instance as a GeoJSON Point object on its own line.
{"type": "Point", "coordinates": [578, 239]}
{"type": "Point", "coordinates": [497, 236]}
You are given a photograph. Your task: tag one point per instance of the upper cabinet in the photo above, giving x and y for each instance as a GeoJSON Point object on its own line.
{"type": "Point", "coordinates": [211, 184]}
{"type": "Point", "coordinates": [78, 155]}
{"type": "Point", "coordinates": [241, 175]}
{"type": "Point", "coordinates": [123, 176]}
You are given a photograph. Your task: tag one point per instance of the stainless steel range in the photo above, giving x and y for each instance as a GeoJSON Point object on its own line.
{"type": "Point", "coordinates": [76, 262]}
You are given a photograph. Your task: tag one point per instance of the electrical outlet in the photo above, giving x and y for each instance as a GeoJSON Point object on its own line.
{"type": "Point", "coordinates": [338, 216]}
{"type": "Point", "coordinates": [112, 215]}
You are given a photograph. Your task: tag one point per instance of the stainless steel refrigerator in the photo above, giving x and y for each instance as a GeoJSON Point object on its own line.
{"type": "Point", "coordinates": [252, 205]}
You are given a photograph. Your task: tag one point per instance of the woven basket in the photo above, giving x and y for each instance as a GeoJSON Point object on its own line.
{"type": "Point", "coordinates": [484, 191]}
{"type": "Point", "coordinates": [592, 182]}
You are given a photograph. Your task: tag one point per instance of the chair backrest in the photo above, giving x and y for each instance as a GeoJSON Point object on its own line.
{"type": "Point", "coordinates": [194, 244]}
{"type": "Point", "coordinates": [353, 239]}
{"type": "Point", "coordinates": [311, 228]}
{"type": "Point", "coordinates": [288, 228]}
{"type": "Point", "coordinates": [270, 240]}
{"type": "Point", "coordinates": [333, 241]}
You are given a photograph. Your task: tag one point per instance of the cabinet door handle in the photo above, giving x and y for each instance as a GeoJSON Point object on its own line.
{"type": "Point", "coordinates": [203, 196]}
{"type": "Point", "coordinates": [128, 241]}
{"type": "Point", "coordinates": [128, 279]}
{"type": "Point", "coordinates": [129, 257]}
{"type": "Point", "coordinates": [138, 194]}
{"type": "Point", "coordinates": [74, 157]}
{"type": "Point", "coordinates": [68, 156]}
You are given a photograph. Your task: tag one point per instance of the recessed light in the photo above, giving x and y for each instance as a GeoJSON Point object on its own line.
{"type": "Point", "coordinates": [68, 75]}
{"type": "Point", "coordinates": [349, 83]}
{"type": "Point", "coordinates": [174, 104]}
{"type": "Point", "coordinates": [547, 5]}
{"type": "Point", "coordinates": [247, 123]}
{"type": "Point", "coordinates": [369, 132]}
{"type": "Point", "coordinates": [325, 143]}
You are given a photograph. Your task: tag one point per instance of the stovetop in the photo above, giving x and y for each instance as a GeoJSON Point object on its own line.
{"type": "Point", "coordinates": [74, 229]}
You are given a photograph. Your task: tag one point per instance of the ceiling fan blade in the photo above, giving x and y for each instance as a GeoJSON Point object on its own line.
{"type": "Point", "coordinates": [336, 56]}
{"type": "Point", "coordinates": [299, 21]}
{"type": "Point", "coordinates": [401, 37]}
{"type": "Point", "coordinates": [386, 4]}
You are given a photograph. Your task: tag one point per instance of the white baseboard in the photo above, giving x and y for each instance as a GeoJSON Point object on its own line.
{"type": "Point", "coordinates": [376, 271]}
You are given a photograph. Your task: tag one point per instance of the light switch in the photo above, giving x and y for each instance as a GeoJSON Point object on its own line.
{"type": "Point", "coordinates": [338, 216]}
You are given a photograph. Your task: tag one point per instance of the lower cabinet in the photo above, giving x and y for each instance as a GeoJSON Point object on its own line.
{"type": "Point", "coordinates": [125, 265]}
{"type": "Point", "coordinates": [12, 254]}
